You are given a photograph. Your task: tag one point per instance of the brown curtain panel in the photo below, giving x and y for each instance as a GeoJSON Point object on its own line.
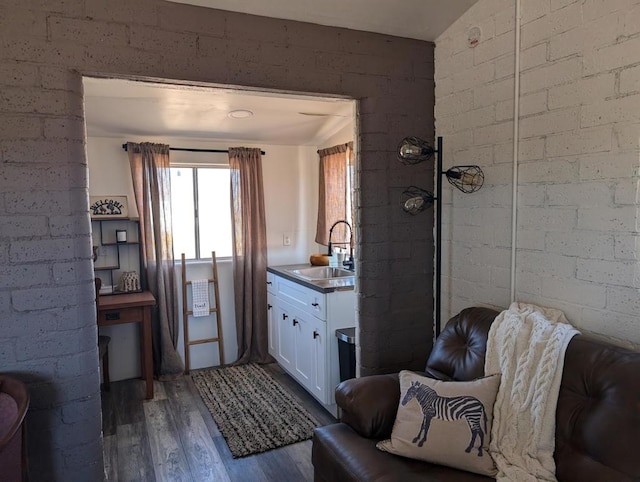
{"type": "Point", "coordinates": [334, 192]}
{"type": "Point", "coordinates": [249, 254]}
{"type": "Point", "coordinates": [152, 187]}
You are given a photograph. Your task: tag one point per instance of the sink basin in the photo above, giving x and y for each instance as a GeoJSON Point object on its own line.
{"type": "Point", "coordinates": [321, 272]}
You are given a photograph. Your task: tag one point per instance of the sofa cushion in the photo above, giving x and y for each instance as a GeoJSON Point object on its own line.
{"type": "Point", "coordinates": [369, 404]}
{"type": "Point", "coordinates": [340, 454]}
{"type": "Point", "coordinates": [447, 423]}
{"type": "Point", "coordinates": [458, 353]}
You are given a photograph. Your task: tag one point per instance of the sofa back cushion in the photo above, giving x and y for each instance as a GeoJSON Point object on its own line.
{"type": "Point", "coordinates": [598, 413]}
{"type": "Point", "coordinates": [458, 353]}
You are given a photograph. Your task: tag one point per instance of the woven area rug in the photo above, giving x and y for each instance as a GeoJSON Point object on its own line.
{"type": "Point", "coordinates": [253, 411]}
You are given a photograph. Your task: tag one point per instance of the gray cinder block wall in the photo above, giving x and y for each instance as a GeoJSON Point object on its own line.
{"type": "Point", "coordinates": [48, 332]}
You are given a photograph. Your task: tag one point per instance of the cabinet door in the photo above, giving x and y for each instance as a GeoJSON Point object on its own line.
{"type": "Point", "coordinates": [303, 329]}
{"type": "Point", "coordinates": [285, 343]}
{"type": "Point", "coordinates": [272, 325]}
{"type": "Point", "coordinates": [319, 361]}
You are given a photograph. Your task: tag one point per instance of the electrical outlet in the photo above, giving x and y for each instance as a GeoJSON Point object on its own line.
{"type": "Point", "coordinates": [286, 240]}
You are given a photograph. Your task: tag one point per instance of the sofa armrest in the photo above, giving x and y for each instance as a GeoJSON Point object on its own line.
{"type": "Point", "coordinates": [369, 404]}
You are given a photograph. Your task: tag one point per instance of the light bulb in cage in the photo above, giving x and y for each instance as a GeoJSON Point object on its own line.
{"type": "Point", "coordinates": [415, 200]}
{"type": "Point", "coordinates": [467, 179]}
{"type": "Point", "coordinates": [413, 150]}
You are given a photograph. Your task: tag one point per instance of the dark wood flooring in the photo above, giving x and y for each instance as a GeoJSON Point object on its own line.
{"type": "Point", "coordinates": [174, 438]}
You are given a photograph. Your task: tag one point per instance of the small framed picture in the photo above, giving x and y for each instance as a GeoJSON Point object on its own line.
{"type": "Point", "coordinates": [108, 207]}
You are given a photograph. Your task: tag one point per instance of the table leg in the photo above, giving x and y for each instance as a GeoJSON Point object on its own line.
{"type": "Point", "coordinates": [147, 352]}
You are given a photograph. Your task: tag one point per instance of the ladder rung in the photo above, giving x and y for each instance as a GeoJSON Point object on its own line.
{"type": "Point", "coordinates": [210, 280]}
{"type": "Point", "coordinates": [211, 310]}
{"type": "Point", "coordinates": [203, 340]}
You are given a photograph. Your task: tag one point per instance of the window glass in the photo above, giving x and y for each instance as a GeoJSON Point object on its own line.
{"type": "Point", "coordinates": [183, 212]}
{"type": "Point", "coordinates": [201, 212]}
{"type": "Point", "coordinates": [215, 212]}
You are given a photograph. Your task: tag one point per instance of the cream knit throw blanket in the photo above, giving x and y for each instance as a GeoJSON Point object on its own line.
{"type": "Point", "coordinates": [527, 345]}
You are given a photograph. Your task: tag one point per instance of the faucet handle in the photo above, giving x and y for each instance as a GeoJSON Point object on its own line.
{"type": "Point", "coordinates": [349, 264]}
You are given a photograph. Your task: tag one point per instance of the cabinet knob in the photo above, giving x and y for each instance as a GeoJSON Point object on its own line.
{"type": "Point", "coordinates": [315, 305]}
{"type": "Point", "coordinates": [269, 283]}
{"type": "Point", "coordinates": [315, 334]}
{"type": "Point", "coordinates": [269, 306]}
{"type": "Point", "coordinates": [284, 316]}
{"type": "Point", "coordinates": [295, 322]}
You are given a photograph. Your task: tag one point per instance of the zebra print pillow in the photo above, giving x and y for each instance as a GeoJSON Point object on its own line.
{"type": "Point", "coordinates": [447, 423]}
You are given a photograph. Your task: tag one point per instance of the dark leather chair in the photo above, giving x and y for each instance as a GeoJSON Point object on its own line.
{"type": "Point", "coordinates": [14, 402]}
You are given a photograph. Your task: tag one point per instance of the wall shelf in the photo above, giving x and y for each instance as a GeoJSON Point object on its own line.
{"type": "Point", "coordinates": [115, 258]}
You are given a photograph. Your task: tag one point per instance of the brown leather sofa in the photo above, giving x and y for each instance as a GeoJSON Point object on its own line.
{"type": "Point", "coordinates": [597, 417]}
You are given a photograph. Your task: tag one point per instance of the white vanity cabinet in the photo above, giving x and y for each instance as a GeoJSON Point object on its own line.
{"type": "Point", "coordinates": [302, 324]}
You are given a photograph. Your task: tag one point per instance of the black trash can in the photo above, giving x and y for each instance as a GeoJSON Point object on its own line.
{"type": "Point", "coordinates": [347, 352]}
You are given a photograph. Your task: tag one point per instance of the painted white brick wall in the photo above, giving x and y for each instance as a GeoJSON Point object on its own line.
{"type": "Point", "coordinates": [578, 246]}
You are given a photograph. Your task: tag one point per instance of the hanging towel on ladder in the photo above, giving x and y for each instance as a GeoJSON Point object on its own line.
{"type": "Point", "coordinates": [200, 295]}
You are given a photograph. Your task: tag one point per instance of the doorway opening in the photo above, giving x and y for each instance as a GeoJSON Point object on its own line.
{"type": "Point", "coordinates": [289, 127]}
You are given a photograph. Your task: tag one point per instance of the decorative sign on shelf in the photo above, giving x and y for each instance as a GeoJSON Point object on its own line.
{"type": "Point", "coordinates": [111, 207]}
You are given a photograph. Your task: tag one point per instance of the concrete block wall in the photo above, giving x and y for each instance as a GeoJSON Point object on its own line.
{"type": "Point", "coordinates": [48, 334]}
{"type": "Point", "coordinates": [578, 186]}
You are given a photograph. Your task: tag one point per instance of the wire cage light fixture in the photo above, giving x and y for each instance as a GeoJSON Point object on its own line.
{"type": "Point", "coordinates": [467, 179]}
{"type": "Point", "coordinates": [416, 200]}
{"type": "Point", "coordinates": [413, 150]}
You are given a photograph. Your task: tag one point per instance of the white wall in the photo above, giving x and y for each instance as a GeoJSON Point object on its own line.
{"type": "Point", "coordinates": [291, 203]}
{"type": "Point", "coordinates": [344, 135]}
{"type": "Point", "coordinates": [290, 182]}
{"type": "Point", "coordinates": [577, 238]}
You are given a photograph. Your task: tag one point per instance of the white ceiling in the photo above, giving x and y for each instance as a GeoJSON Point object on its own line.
{"type": "Point", "coordinates": [417, 19]}
{"type": "Point", "coordinates": [118, 107]}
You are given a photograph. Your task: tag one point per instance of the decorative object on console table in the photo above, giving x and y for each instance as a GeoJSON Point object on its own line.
{"type": "Point", "coordinates": [110, 207]}
{"type": "Point", "coordinates": [129, 281]}
{"type": "Point", "coordinates": [468, 179]}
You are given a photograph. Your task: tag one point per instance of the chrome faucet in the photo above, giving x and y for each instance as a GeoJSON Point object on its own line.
{"type": "Point", "coordinates": [348, 263]}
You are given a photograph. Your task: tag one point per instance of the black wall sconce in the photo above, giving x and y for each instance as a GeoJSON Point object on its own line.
{"type": "Point", "coordinates": [468, 179]}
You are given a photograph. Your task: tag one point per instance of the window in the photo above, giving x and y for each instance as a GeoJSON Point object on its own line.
{"type": "Point", "coordinates": [200, 202]}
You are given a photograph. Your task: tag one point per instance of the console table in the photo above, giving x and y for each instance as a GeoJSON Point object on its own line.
{"type": "Point", "coordinates": [132, 308]}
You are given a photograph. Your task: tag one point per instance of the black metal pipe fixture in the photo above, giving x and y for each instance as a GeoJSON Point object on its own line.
{"type": "Point", "coordinates": [188, 149]}
{"type": "Point", "coordinates": [468, 179]}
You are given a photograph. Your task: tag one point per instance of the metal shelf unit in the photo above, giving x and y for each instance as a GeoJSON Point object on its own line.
{"type": "Point", "coordinates": [117, 257]}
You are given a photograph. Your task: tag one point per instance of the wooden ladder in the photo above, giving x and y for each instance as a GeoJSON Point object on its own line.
{"type": "Point", "coordinates": [186, 312]}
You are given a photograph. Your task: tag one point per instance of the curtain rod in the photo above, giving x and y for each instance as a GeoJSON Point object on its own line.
{"type": "Point", "coordinates": [124, 146]}
{"type": "Point", "coordinates": [345, 145]}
